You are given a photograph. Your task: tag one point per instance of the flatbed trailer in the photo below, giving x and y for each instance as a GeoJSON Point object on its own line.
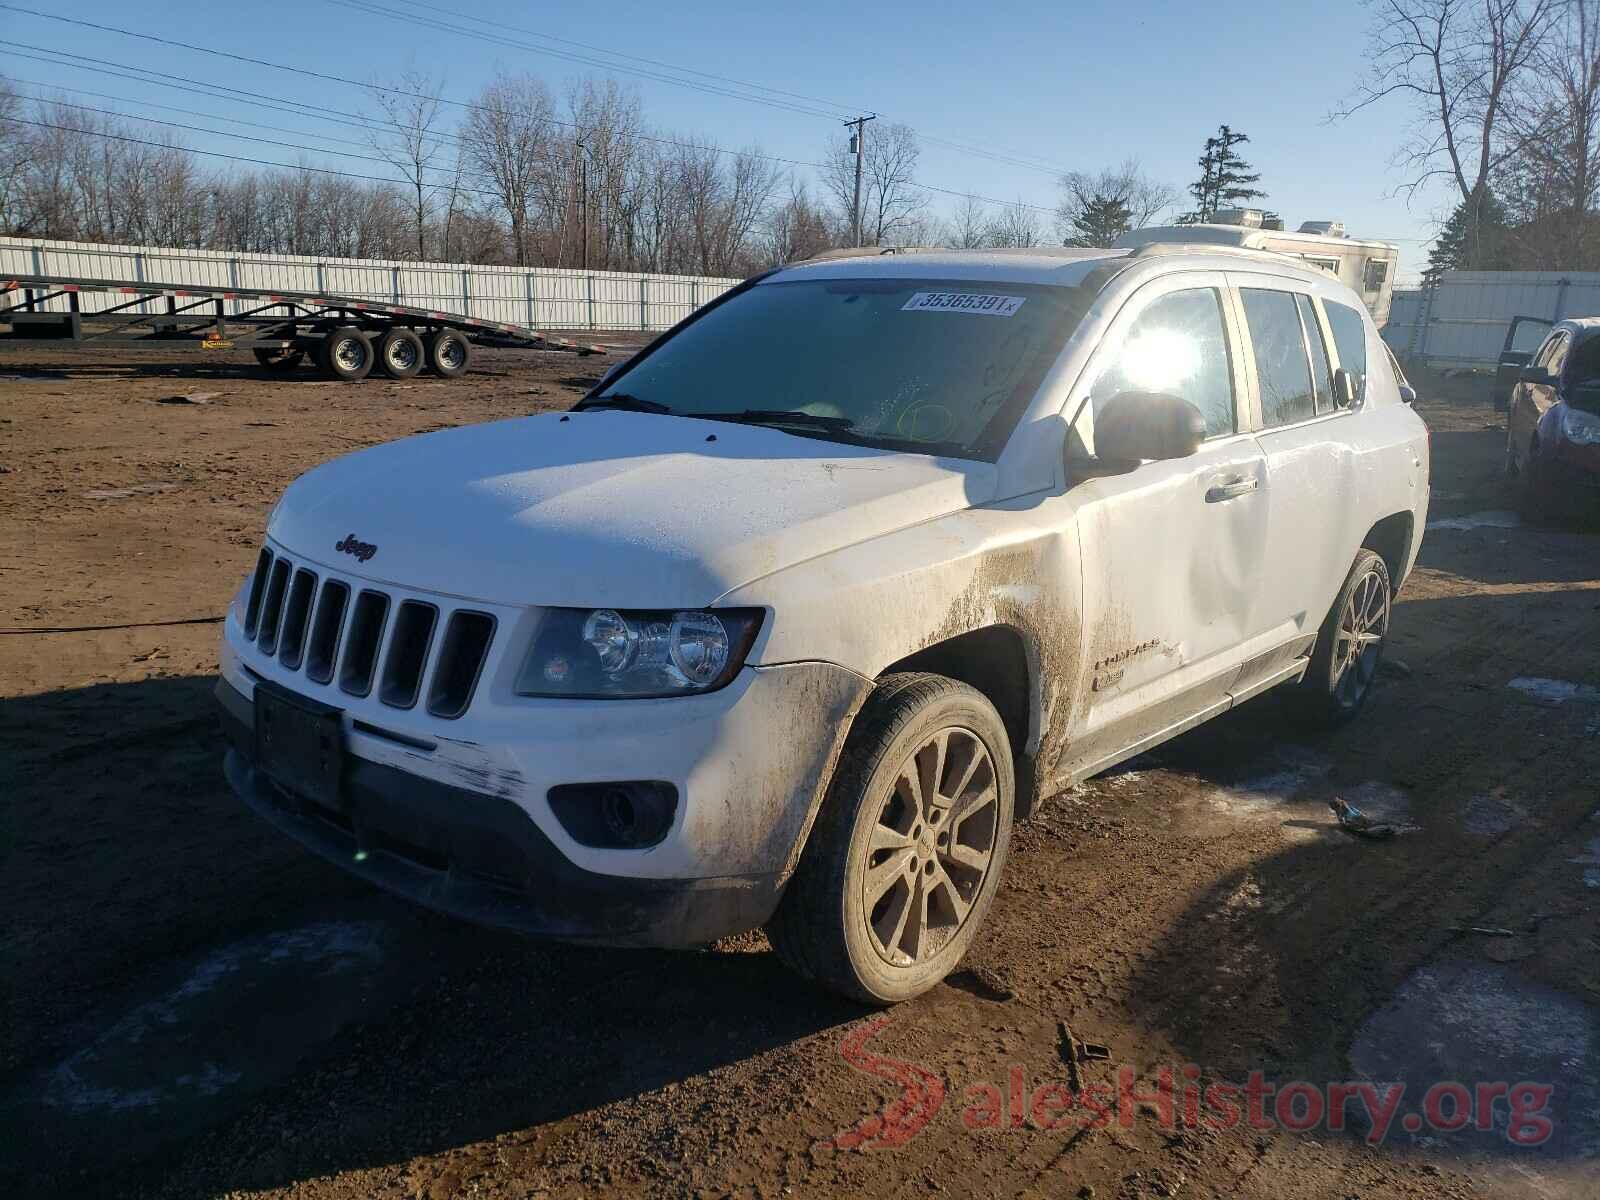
{"type": "Point", "coordinates": [347, 337]}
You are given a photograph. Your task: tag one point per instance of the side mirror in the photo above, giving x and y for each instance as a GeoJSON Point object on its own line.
{"type": "Point", "coordinates": [1135, 426]}
{"type": "Point", "coordinates": [1408, 394]}
{"type": "Point", "coordinates": [1344, 388]}
{"type": "Point", "coordinates": [610, 374]}
{"type": "Point", "coordinates": [1537, 376]}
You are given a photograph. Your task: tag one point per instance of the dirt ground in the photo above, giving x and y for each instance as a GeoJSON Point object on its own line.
{"type": "Point", "coordinates": [194, 1006]}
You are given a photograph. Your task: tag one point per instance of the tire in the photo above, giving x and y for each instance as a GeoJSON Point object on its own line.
{"type": "Point", "coordinates": [1336, 685]}
{"type": "Point", "coordinates": [448, 353]}
{"type": "Point", "coordinates": [401, 354]}
{"type": "Point", "coordinates": [280, 360]}
{"type": "Point", "coordinates": [347, 354]}
{"type": "Point", "coordinates": [872, 830]}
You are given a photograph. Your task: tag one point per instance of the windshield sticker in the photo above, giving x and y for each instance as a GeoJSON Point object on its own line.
{"type": "Point", "coordinates": [965, 302]}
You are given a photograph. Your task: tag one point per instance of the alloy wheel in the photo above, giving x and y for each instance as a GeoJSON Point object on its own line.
{"type": "Point", "coordinates": [931, 847]}
{"type": "Point", "coordinates": [1359, 643]}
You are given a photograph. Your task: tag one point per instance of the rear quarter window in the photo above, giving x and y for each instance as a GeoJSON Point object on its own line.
{"type": "Point", "coordinates": [1349, 341]}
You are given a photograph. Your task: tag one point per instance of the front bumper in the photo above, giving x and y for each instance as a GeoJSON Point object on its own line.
{"type": "Point", "coordinates": [481, 858]}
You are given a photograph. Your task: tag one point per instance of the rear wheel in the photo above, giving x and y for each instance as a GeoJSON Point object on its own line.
{"type": "Point", "coordinates": [906, 854]}
{"type": "Point", "coordinates": [347, 354]}
{"type": "Point", "coordinates": [401, 354]}
{"type": "Point", "coordinates": [448, 353]}
{"type": "Point", "coordinates": [1349, 647]}
{"type": "Point", "coordinates": [280, 360]}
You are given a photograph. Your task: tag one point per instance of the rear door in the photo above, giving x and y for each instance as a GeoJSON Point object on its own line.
{"type": "Point", "coordinates": [1523, 338]}
{"type": "Point", "coordinates": [1311, 469]}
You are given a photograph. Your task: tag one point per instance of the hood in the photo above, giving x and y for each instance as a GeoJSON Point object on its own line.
{"type": "Point", "coordinates": [607, 508]}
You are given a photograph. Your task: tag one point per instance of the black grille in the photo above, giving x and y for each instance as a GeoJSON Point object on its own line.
{"type": "Point", "coordinates": [292, 633]}
{"type": "Point", "coordinates": [466, 645]}
{"type": "Point", "coordinates": [272, 607]}
{"type": "Point", "coordinates": [361, 643]}
{"type": "Point", "coordinates": [408, 651]}
{"type": "Point", "coordinates": [332, 638]}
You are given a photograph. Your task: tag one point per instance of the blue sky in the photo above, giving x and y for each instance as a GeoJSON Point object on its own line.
{"type": "Point", "coordinates": [1068, 86]}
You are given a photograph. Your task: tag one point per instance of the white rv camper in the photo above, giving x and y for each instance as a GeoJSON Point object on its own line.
{"type": "Point", "coordinates": [1367, 267]}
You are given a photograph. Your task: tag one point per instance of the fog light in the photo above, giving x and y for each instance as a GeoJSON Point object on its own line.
{"type": "Point", "coordinates": [629, 815]}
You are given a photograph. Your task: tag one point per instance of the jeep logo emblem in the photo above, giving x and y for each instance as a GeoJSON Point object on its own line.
{"type": "Point", "coordinates": [353, 545]}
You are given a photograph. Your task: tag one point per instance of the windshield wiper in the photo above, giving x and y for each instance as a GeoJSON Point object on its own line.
{"type": "Point", "coordinates": [623, 400]}
{"type": "Point", "coordinates": [779, 416]}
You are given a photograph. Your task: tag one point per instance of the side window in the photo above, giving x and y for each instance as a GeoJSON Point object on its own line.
{"type": "Point", "coordinates": [1282, 371]}
{"type": "Point", "coordinates": [1321, 373]}
{"type": "Point", "coordinates": [1177, 345]}
{"type": "Point", "coordinates": [1557, 360]}
{"type": "Point", "coordinates": [1350, 341]}
{"type": "Point", "coordinates": [1377, 274]}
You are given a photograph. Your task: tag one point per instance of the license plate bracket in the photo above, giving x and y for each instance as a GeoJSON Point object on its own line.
{"type": "Point", "coordinates": [300, 744]}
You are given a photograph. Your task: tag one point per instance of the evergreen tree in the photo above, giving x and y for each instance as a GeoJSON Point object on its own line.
{"type": "Point", "coordinates": [1473, 239]}
{"type": "Point", "coordinates": [1100, 222]}
{"type": "Point", "coordinates": [1225, 178]}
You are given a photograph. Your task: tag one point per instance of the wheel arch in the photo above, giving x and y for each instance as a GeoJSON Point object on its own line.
{"type": "Point", "coordinates": [1391, 539]}
{"type": "Point", "coordinates": [994, 659]}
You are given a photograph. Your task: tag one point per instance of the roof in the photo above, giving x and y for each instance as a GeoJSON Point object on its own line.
{"type": "Point", "coordinates": [1063, 266]}
{"type": "Point", "coordinates": [1246, 236]}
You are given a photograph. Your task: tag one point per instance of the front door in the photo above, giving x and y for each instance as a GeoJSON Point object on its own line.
{"type": "Point", "coordinates": [1522, 339]}
{"type": "Point", "coordinates": [1171, 550]}
{"type": "Point", "coordinates": [1531, 399]}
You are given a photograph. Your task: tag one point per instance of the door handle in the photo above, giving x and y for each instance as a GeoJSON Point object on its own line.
{"type": "Point", "coordinates": [1232, 489]}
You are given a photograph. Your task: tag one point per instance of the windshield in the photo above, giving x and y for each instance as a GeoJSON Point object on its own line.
{"type": "Point", "coordinates": [933, 366]}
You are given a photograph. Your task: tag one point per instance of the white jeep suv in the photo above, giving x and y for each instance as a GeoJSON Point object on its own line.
{"type": "Point", "coordinates": [801, 607]}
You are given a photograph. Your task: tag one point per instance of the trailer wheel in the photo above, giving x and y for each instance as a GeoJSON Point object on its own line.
{"type": "Point", "coordinates": [400, 353]}
{"type": "Point", "coordinates": [347, 354]}
{"type": "Point", "coordinates": [280, 360]}
{"type": "Point", "coordinates": [448, 353]}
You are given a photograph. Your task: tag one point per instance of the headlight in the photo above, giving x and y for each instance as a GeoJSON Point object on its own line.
{"type": "Point", "coordinates": [1580, 428]}
{"type": "Point", "coordinates": [606, 653]}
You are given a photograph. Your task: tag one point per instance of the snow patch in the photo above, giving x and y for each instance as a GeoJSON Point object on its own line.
{"type": "Point", "coordinates": [1556, 691]}
{"type": "Point", "coordinates": [1492, 519]}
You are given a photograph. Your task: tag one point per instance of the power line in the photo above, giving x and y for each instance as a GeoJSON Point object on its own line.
{"type": "Point", "coordinates": [242, 137]}
{"type": "Point", "coordinates": [357, 120]}
{"type": "Point", "coordinates": [341, 117]}
{"type": "Point", "coordinates": [375, 8]}
{"type": "Point", "coordinates": [380, 10]}
{"type": "Point", "coordinates": [500, 39]}
{"type": "Point", "coordinates": [550, 37]}
{"type": "Point", "coordinates": [240, 158]}
{"type": "Point", "coordinates": [50, 99]}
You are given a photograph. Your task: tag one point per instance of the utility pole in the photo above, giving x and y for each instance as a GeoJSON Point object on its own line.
{"type": "Point", "coordinates": [583, 201]}
{"type": "Point", "coordinates": [858, 147]}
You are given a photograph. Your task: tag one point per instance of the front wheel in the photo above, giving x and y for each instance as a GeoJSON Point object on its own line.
{"type": "Point", "coordinates": [907, 850]}
{"type": "Point", "coordinates": [1349, 646]}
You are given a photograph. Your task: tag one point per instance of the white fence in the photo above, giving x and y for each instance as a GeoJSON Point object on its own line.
{"type": "Point", "coordinates": [542, 297]}
{"type": "Point", "coordinates": [1462, 320]}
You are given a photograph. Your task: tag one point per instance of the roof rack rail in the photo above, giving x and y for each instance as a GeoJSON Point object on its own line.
{"type": "Point", "coordinates": [1149, 249]}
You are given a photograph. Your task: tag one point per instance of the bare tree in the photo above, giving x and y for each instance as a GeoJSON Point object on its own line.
{"type": "Point", "coordinates": [889, 196]}
{"type": "Point", "coordinates": [409, 137]}
{"type": "Point", "coordinates": [1016, 226]}
{"type": "Point", "coordinates": [968, 226]}
{"type": "Point", "coordinates": [1551, 182]}
{"type": "Point", "coordinates": [1457, 62]}
{"type": "Point", "coordinates": [1087, 196]}
{"type": "Point", "coordinates": [505, 138]}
